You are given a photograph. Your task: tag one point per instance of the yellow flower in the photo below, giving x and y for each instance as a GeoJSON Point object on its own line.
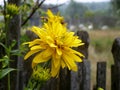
{"type": "Point", "coordinates": [55, 43]}
{"type": "Point", "coordinates": [100, 88]}
{"type": "Point", "coordinates": [41, 74]}
{"type": "Point", "coordinates": [54, 18]}
{"type": "Point", "coordinates": [12, 9]}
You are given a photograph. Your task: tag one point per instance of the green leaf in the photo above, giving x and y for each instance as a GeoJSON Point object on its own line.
{"type": "Point", "coordinates": [6, 49]}
{"type": "Point", "coordinates": [5, 61]}
{"type": "Point", "coordinates": [5, 64]}
{"type": "Point", "coordinates": [16, 52]}
{"type": "Point", "coordinates": [3, 45]}
{"type": "Point", "coordinates": [13, 43]}
{"type": "Point", "coordinates": [4, 72]}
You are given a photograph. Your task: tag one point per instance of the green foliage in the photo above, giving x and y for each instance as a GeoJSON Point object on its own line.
{"type": "Point", "coordinates": [116, 6]}
{"type": "Point", "coordinates": [77, 13]}
{"type": "Point", "coordinates": [102, 44]}
{"type": "Point", "coordinates": [80, 9]}
{"type": "Point", "coordinates": [75, 10]}
{"type": "Point", "coordinates": [25, 8]}
{"type": "Point", "coordinates": [5, 71]}
{"type": "Point", "coordinates": [98, 6]}
{"type": "Point", "coordinates": [8, 50]}
{"type": "Point", "coordinates": [2, 35]}
{"type": "Point", "coordinates": [89, 14]}
{"type": "Point", "coordinates": [6, 59]}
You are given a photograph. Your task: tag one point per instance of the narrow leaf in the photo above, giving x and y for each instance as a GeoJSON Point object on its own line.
{"type": "Point", "coordinates": [4, 72]}
{"type": "Point", "coordinates": [3, 45]}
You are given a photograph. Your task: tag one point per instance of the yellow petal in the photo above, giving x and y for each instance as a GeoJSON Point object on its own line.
{"type": "Point", "coordinates": [25, 43]}
{"type": "Point", "coordinates": [63, 63]}
{"type": "Point", "coordinates": [55, 70]}
{"type": "Point", "coordinates": [43, 56]}
{"type": "Point", "coordinates": [68, 38]}
{"type": "Point", "coordinates": [76, 43]}
{"type": "Point", "coordinates": [34, 42]}
{"type": "Point", "coordinates": [49, 13]}
{"type": "Point", "coordinates": [39, 32]}
{"type": "Point", "coordinates": [38, 47]}
{"type": "Point", "coordinates": [30, 53]}
{"type": "Point", "coordinates": [67, 49]}
{"type": "Point", "coordinates": [39, 59]}
{"type": "Point", "coordinates": [56, 60]}
{"type": "Point", "coordinates": [70, 62]}
{"type": "Point", "coordinates": [36, 30]}
{"type": "Point", "coordinates": [78, 53]}
{"type": "Point", "coordinates": [76, 58]}
{"type": "Point", "coordinates": [33, 64]}
{"type": "Point", "coordinates": [50, 41]}
{"type": "Point", "coordinates": [59, 51]}
{"type": "Point", "coordinates": [73, 56]}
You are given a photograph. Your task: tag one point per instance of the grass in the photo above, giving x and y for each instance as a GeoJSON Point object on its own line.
{"type": "Point", "coordinates": [100, 50]}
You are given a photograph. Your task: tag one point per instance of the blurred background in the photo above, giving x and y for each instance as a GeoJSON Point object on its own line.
{"type": "Point", "coordinates": [100, 18]}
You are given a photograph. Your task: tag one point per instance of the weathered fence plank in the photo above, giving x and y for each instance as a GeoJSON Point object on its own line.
{"type": "Point", "coordinates": [52, 84]}
{"type": "Point", "coordinates": [113, 78]}
{"type": "Point", "coordinates": [65, 79]}
{"type": "Point", "coordinates": [86, 75]}
{"type": "Point", "coordinates": [84, 67]}
{"type": "Point", "coordinates": [84, 36]}
{"type": "Point", "coordinates": [115, 69]}
{"type": "Point", "coordinates": [74, 81]}
{"type": "Point", "coordinates": [101, 75]}
{"type": "Point", "coordinates": [83, 76]}
{"type": "Point", "coordinates": [81, 80]}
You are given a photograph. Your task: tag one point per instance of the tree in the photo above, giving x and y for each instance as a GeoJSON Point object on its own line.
{"type": "Point", "coordinates": [89, 14]}
{"type": "Point", "coordinates": [116, 6]}
{"type": "Point", "coordinates": [75, 10]}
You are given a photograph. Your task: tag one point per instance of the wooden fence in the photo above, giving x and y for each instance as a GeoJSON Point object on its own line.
{"type": "Point", "coordinates": [81, 80]}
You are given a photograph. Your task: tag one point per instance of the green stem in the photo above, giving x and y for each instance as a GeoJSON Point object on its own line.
{"type": "Point", "coordinates": [6, 41]}
{"type": "Point", "coordinates": [8, 81]}
{"type": "Point", "coordinates": [8, 52]}
{"type": "Point", "coordinates": [9, 73]}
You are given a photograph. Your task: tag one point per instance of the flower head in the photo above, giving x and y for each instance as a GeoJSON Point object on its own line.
{"type": "Point", "coordinates": [41, 74]}
{"type": "Point", "coordinates": [55, 44]}
{"type": "Point", "coordinates": [53, 18]}
{"type": "Point", "coordinates": [12, 9]}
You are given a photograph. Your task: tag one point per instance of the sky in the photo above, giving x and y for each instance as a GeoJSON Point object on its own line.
{"type": "Point", "coordinates": [65, 1]}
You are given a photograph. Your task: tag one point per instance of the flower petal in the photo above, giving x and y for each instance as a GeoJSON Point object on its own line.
{"type": "Point", "coordinates": [30, 53]}
{"type": "Point", "coordinates": [39, 59]}
{"type": "Point", "coordinates": [56, 60]}
{"type": "Point", "coordinates": [33, 64]}
{"type": "Point", "coordinates": [55, 70]}
{"type": "Point", "coordinates": [74, 56]}
{"type": "Point", "coordinates": [70, 62]}
{"type": "Point", "coordinates": [59, 51]}
{"type": "Point", "coordinates": [63, 63]}
{"type": "Point", "coordinates": [43, 56]}
{"type": "Point", "coordinates": [37, 47]}
{"type": "Point", "coordinates": [34, 42]}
